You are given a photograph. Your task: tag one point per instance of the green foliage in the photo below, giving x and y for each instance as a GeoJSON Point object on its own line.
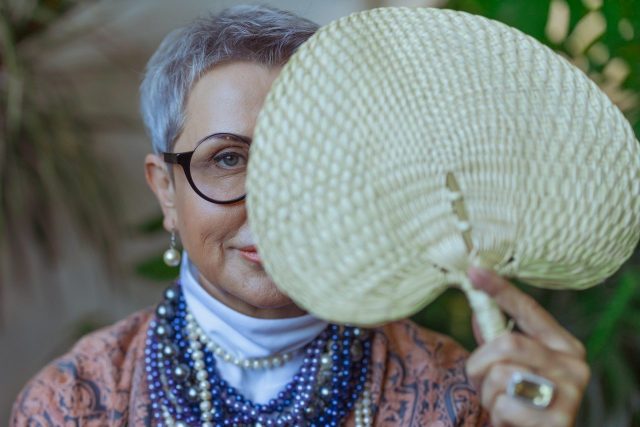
{"type": "Point", "coordinates": [617, 308]}
{"type": "Point", "coordinates": [154, 268]}
{"type": "Point", "coordinates": [451, 315]}
{"type": "Point", "coordinates": [526, 15]}
{"type": "Point", "coordinates": [150, 226]}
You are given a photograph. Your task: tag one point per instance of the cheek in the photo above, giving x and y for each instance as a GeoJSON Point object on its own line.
{"type": "Point", "coordinates": [204, 225]}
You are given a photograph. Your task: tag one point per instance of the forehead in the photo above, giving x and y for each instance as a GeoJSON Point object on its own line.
{"type": "Point", "coordinates": [227, 98]}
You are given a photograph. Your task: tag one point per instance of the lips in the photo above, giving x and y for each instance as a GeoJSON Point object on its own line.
{"type": "Point", "coordinates": [250, 253]}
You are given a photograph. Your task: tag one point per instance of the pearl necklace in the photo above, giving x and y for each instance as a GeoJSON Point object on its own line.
{"type": "Point", "coordinates": [196, 333]}
{"type": "Point", "coordinates": [186, 389]}
{"type": "Point", "coordinates": [363, 411]}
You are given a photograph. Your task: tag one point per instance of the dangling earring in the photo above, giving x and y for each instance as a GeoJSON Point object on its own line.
{"type": "Point", "coordinates": [172, 256]}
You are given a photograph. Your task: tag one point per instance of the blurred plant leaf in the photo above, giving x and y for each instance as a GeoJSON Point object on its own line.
{"type": "Point", "coordinates": [608, 322]}
{"type": "Point", "coordinates": [449, 314]}
{"type": "Point", "coordinates": [155, 269]}
{"type": "Point", "coordinates": [151, 226]}
{"type": "Point", "coordinates": [526, 15]}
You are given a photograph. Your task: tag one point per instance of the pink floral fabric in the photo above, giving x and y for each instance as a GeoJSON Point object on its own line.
{"type": "Point", "coordinates": [417, 376]}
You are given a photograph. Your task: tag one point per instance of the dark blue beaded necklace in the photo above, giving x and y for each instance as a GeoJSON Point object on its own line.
{"type": "Point", "coordinates": [186, 389]}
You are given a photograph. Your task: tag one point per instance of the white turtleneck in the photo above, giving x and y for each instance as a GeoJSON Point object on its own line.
{"type": "Point", "coordinates": [248, 337]}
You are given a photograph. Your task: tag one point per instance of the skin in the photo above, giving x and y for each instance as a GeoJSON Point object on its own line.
{"type": "Point", "coordinates": [228, 99]}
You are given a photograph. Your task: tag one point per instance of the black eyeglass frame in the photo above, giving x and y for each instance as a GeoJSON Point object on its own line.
{"type": "Point", "coordinates": [184, 159]}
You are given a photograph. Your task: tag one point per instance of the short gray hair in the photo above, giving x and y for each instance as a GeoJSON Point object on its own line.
{"type": "Point", "coordinates": [261, 34]}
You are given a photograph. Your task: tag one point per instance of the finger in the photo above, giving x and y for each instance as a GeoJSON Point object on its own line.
{"type": "Point", "coordinates": [495, 382]}
{"type": "Point", "coordinates": [515, 348]}
{"type": "Point", "coordinates": [530, 317]}
{"type": "Point", "coordinates": [509, 411]}
{"type": "Point", "coordinates": [562, 412]}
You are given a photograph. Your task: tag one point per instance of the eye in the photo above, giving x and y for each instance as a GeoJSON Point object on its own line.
{"type": "Point", "coordinates": [230, 160]}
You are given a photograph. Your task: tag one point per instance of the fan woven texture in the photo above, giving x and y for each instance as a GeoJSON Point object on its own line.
{"type": "Point", "coordinates": [399, 145]}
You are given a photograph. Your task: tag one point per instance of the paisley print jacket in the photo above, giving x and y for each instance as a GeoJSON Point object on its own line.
{"type": "Point", "coordinates": [418, 379]}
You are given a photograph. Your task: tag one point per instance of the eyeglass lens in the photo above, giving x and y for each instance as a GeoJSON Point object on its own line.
{"type": "Point", "coordinates": [219, 167]}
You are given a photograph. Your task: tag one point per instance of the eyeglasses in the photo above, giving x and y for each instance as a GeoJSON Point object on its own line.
{"type": "Point", "coordinates": [217, 168]}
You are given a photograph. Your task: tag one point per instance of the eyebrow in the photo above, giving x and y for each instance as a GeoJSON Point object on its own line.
{"type": "Point", "coordinates": [242, 138]}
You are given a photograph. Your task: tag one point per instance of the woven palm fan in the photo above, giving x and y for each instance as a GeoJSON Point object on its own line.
{"type": "Point", "coordinates": [399, 146]}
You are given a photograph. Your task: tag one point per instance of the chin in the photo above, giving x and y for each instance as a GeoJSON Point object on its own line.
{"type": "Point", "coordinates": [269, 301]}
{"type": "Point", "coordinates": [251, 291]}
{"type": "Point", "coordinates": [268, 296]}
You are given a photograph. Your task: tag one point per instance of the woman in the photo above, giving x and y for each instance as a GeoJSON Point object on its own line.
{"type": "Point", "coordinates": [226, 346]}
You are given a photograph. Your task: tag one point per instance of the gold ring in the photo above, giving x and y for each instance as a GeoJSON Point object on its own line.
{"type": "Point", "coordinates": [531, 389]}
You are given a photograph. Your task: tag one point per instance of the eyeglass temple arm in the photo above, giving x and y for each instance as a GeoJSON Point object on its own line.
{"type": "Point", "coordinates": [171, 157]}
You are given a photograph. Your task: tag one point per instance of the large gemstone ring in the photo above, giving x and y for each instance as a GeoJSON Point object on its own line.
{"type": "Point", "coordinates": [532, 389]}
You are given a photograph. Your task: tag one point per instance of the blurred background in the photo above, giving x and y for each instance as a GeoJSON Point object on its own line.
{"type": "Point", "coordinates": [80, 233]}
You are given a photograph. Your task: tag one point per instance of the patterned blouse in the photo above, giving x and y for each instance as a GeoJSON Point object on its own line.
{"type": "Point", "coordinates": [417, 376]}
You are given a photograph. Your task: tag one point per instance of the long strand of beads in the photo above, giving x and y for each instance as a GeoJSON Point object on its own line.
{"type": "Point", "coordinates": [222, 354]}
{"type": "Point", "coordinates": [186, 389]}
{"type": "Point", "coordinates": [363, 409]}
{"type": "Point", "coordinates": [243, 410]}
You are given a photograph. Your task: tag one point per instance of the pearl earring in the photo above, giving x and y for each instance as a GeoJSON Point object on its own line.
{"type": "Point", "coordinates": [172, 256]}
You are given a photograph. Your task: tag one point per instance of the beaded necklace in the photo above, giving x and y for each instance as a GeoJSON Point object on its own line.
{"type": "Point", "coordinates": [186, 389]}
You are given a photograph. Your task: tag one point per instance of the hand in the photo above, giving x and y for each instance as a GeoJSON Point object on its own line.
{"type": "Point", "coordinates": [543, 348]}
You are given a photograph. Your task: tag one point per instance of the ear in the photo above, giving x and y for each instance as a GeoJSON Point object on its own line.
{"type": "Point", "coordinates": [157, 174]}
